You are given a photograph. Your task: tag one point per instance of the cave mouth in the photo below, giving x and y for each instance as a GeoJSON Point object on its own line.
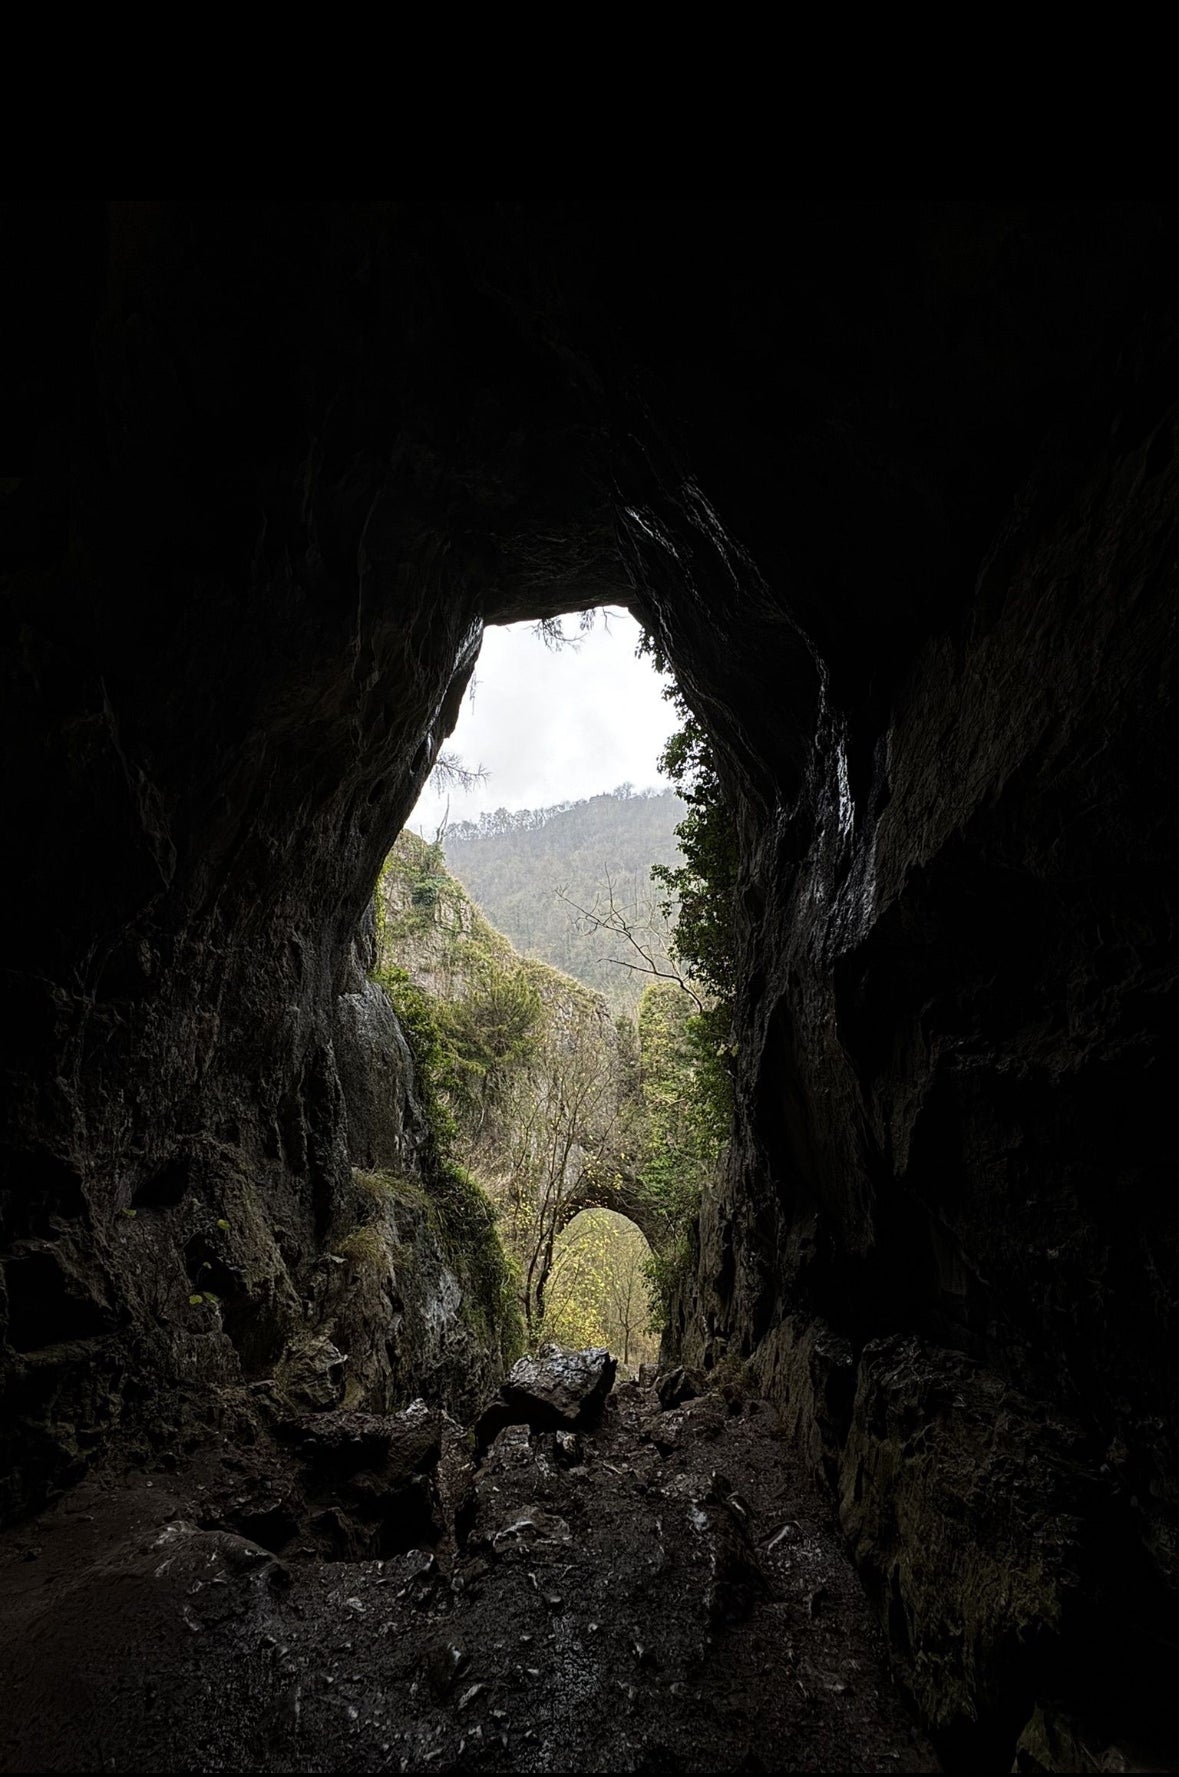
{"type": "Point", "coordinates": [558, 709]}
{"type": "Point", "coordinates": [601, 1288]}
{"type": "Point", "coordinates": [542, 935]}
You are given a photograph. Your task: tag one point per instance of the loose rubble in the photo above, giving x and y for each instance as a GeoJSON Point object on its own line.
{"type": "Point", "coordinates": [656, 1591]}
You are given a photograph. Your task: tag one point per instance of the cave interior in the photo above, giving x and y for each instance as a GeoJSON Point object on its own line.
{"type": "Point", "coordinates": [894, 486]}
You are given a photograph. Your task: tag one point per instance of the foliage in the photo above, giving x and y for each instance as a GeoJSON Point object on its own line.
{"type": "Point", "coordinates": [667, 1271]}
{"type": "Point", "coordinates": [465, 1220]}
{"type": "Point", "coordinates": [598, 1292]}
{"type": "Point", "coordinates": [562, 1120]}
{"type": "Point", "coordinates": [686, 1097]}
{"type": "Point", "coordinates": [421, 867]}
{"type": "Point", "coordinates": [364, 1247]}
{"type": "Point", "coordinates": [701, 889]}
{"type": "Point", "coordinates": [515, 863]}
{"type": "Point", "coordinates": [376, 1184]}
{"type": "Point", "coordinates": [686, 1122]}
{"type": "Point", "coordinates": [459, 1210]}
{"type": "Point", "coordinates": [491, 1030]}
{"type": "Point", "coordinates": [701, 898]}
{"type": "Point", "coordinates": [479, 1015]}
{"type": "Point", "coordinates": [427, 1044]}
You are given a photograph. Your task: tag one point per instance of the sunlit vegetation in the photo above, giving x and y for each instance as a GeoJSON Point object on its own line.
{"type": "Point", "coordinates": [593, 1136]}
{"type": "Point", "coordinates": [530, 869]}
{"type": "Point", "coordinates": [600, 1289]}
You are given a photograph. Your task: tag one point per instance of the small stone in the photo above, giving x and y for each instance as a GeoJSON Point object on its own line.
{"type": "Point", "coordinates": [443, 1663]}
{"type": "Point", "coordinates": [787, 1534]}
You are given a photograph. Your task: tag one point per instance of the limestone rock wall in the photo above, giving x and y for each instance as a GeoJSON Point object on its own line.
{"type": "Point", "coordinates": [238, 622]}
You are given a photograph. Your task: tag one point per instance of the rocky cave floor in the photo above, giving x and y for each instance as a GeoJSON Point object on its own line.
{"type": "Point", "coordinates": [666, 1592]}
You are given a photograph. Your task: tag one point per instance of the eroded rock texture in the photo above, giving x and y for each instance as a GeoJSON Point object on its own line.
{"type": "Point", "coordinates": [896, 487]}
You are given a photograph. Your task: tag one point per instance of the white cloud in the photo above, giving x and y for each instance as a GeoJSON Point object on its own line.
{"type": "Point", "coordinates": [552, 726]}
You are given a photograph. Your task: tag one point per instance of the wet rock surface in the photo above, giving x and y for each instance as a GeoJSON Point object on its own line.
{"type": "Point", "coordinates": [594, 1601]}
{"type": "Point", "coordinates": [553, 1391]}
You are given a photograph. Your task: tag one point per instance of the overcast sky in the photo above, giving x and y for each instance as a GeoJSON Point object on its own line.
{"type": "Point", "coordinates": [554, 726]}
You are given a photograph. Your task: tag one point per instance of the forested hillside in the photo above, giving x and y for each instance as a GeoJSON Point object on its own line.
{"type": "Point", "coordinates": [516, 864]}
{"type": "Point", "coordinates": [588, 1134]}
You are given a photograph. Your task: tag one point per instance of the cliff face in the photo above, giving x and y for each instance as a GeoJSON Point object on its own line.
{"type": "Point", "coordinates": [947, 1239]}
{"type": "Point", "coordinates": [895, 486]}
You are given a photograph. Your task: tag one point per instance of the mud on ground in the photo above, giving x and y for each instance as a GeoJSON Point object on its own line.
{"type": "Point", "coordinates": [666, 1593]}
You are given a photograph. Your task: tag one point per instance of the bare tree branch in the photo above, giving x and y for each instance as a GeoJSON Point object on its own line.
{"type": "Point", "coordinates": [449, 769]}
{"type": "Point", "coordinates": [615, 921]}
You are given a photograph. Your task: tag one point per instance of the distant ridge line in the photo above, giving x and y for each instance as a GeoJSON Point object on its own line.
{"type": "Point", "coordinates": [491, 823]}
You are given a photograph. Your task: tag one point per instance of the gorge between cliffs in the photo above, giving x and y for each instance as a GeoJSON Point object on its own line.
{"type": "Point", "coordinates": [289, 1478]}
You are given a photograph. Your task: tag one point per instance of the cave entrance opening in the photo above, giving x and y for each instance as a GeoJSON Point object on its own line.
{"type": "Point", "coordinates": [556, 712]}
{"type": "Point", "coordinates": [600, 1288]}
{"type": "Point", "coordinates": [519, 901]}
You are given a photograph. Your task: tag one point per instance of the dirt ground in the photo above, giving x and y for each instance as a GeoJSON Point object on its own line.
{"type": "Point", "coordinates": [666, 1593]}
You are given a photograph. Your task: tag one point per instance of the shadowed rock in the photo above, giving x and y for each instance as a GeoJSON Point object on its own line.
{"type": "Point", "coordinates": [554, 1391]}
{"type": "Point", "coordinates": [677, 1386]}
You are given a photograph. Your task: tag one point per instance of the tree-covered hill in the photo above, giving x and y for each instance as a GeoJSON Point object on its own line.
{"type": "Point", "coordinates": [593, 1137]}
{"type": "Point", "coordinates": [516, 864]}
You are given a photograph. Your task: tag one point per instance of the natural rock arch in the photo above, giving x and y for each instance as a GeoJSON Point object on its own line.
{"type": "Point", "coordinates": [625, 1196]}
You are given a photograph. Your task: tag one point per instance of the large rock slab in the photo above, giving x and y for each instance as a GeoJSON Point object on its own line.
{"type": "Point", "coordinates": [560, 1390]}
{"type": "Point", "coordinates": [556, 1390]}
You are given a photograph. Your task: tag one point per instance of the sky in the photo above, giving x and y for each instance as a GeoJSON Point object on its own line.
{"type": "Point", "coordinates": [554, 725]}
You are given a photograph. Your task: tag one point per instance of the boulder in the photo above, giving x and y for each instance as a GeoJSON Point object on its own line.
{"type": "Point", "coordinates": [559, 1390]}
{"type": "Point", "coordinates": [395, 1446]}
{"type": "Point", "coordinates": [556, 1390]}
{"type": "Point", "coordinates": [311, 1373]}
{"type": "Point", "coordinates": [676, 1386]}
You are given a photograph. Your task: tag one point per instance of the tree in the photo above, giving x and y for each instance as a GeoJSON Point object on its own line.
{"type": "Point", "coordinates": [598, 1290]}
{"type": "Point", "coordinates": [640, 937]}
{"type": "Point", "coordinates": [563, 1118]}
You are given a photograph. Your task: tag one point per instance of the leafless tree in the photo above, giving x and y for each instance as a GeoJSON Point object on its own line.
{"type": "Point", "coordinates": [607, 916]}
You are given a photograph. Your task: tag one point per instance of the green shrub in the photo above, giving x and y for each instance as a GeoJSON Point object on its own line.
{"type": "Point", "coordinates": [365, 1247]}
